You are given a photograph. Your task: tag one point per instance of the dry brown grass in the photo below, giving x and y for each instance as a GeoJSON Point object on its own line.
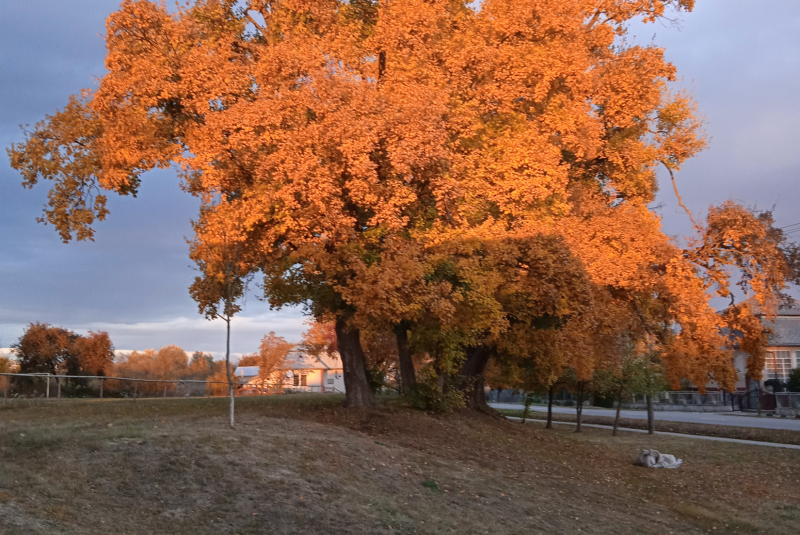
{"type": "Point", "coordinates": [300, 464]}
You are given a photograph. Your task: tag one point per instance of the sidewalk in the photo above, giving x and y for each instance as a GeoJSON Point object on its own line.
{"type": "Point", "coordinates": [710, 418]}
{"type": "Point", "coordinates": [681, 435]}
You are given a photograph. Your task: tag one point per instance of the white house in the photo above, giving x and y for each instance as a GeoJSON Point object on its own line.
{"type": "Point", "coordinates": [300, 371]}
{"type": "Point", "coordinates": [783, 351]}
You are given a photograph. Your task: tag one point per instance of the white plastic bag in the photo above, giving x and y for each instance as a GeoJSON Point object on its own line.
{"type": "Point", "coordinates": [654, 459]}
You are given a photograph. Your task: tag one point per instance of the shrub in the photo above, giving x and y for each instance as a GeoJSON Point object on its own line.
{"type": "Point", "coordinates": [430, 395]}
{"type": "Point", "coordinates": [794, 380]}
{"type": "Point", "coordinates": [376, 379]}
{"type": "Point", "coordinates": [606, 402]}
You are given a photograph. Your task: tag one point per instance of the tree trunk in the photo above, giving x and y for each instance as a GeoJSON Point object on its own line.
{"type": "Point", "coordinates": [526, 412]}
{"type": "Point", "coordinates": [550, 394]}
{"type": "Point", "coordinates": [619, 406]}
{"type": "Point", "coordinates": [228, 369]}
{"type": "Point", "coordinates": [758, 398]}
{"type": "Point", "coordinates": [472, 372]}
{"type": "Point", "coordinates": [408, 377]}
{"type": "Point", "coordinates": [580, 406]}
{"type": "Point", "coordinates": [358, 393]}
{"type": "Point", "coordinates": [651, 417]}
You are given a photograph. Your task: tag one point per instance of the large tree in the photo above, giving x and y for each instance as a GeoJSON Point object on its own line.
{"type": "Point", "coordinates": [352, 141]}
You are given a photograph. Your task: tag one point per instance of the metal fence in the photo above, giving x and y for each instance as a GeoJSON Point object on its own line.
{"type": "Point", "coordinates": [787, 400]}
{"type": "Point", "coordinates": [46, 386]}
{"type": "Point", "coordinates": [754, 400]}
{"type": "Point", "coordinates": [715, 398]}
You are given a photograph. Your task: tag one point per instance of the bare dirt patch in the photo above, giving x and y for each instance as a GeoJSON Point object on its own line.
{"type": "Point", "coordinates": [303, 465]}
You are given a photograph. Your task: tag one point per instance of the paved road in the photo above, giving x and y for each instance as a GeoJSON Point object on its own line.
{"type": "Point", "coordinates": [711, 418]}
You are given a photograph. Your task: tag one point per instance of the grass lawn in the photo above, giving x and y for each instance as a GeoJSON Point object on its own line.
{"type": "Point", "coordinates": [302, 464]}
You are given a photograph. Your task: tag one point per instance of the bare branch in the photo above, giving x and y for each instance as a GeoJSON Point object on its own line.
{"type": "Point", "coordinates": [591, 23]}
{"type": "Point", "coordinates": [678, 195]}
{"type": "Point", "coordinates": [261, 28]}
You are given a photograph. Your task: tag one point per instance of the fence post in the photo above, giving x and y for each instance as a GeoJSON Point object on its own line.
{"type": "Point", "coordinates": [6, 380]}
{"type": "Point", "coordinates": [58, 381]}
{"type": "Point", "coordinates": [102, 381]}
{"type": "Point", "coordinates": [135, 390]}
{"type": "Point", "coordinates": [48, 386]}
{"type": "Point", "coordinates": [165, 390]}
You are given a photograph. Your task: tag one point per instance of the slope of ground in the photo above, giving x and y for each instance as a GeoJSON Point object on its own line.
{"type": "Point", "coordinates": [300, 464]}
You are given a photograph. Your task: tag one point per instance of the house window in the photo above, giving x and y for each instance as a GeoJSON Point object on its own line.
{"type": "Point", "coordinates": [296, 380]}
{"type": "Point", "coordinates": [303, 381]}
{"type": "Point", "coordinates": [779, 364]}
{"type": "Point", "coordinates": [330, 381]}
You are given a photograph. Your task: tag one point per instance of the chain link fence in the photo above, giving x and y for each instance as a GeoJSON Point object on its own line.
{"type": "Point", "coordinates": [46, 386]}
{"type": "Point", "coordinates": [787, 403]}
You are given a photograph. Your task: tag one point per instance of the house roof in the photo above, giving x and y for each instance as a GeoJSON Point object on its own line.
{"type": "Point", "coordinates": [298, 359]}
{"type": "Point", "coordinates": [786, 326]}
{"type": "Point", "coordinates": [785, 331]}
{"type": "Point", "coordinates": [790, 309]}
{"type": "Point", "coordinates": [246, 371]}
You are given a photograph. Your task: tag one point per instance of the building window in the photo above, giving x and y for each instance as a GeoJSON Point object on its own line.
{"type": "Point", "coordinates": [296, 380]}
{"type": "Point", "coordinates": [779, 364]}
{"type": "Point", "coordinates": [303, 381]}
{"type": "Point", "coordinates": [330, 381]}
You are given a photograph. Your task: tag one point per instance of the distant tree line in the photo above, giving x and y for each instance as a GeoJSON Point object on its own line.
{"type": "Point", "coordinates": [44, 348]}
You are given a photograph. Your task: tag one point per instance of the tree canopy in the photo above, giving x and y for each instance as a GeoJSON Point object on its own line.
{"type": "Point", "coordinates": [44, 348]}
{"type": "Point", "coordinates": [481, 175]}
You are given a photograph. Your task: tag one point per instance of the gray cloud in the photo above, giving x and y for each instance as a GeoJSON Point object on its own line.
{"type": "Point", "coordinates": [132, 280]}
{"type": "Point", "coordinates": [741, 61]}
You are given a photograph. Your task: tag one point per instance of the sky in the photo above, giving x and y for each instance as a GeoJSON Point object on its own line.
{"type": "Point", "coordinates": [739, 59]}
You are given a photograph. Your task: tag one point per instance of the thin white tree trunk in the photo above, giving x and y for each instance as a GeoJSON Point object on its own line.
{"type": "Point", "coordinates": [232, 403]}
{"type": "Point", "coordinates": [228, 368]}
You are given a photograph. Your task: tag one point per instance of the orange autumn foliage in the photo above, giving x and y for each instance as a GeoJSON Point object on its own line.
{"type": "Point", "coordinates": [351, 150]}
{"type": "Point", "coordinates": [44, 348]}
{"type": "Point", "coordinates": [320, 337]}
{"type": "Point", "coordinates": [270, 356]}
